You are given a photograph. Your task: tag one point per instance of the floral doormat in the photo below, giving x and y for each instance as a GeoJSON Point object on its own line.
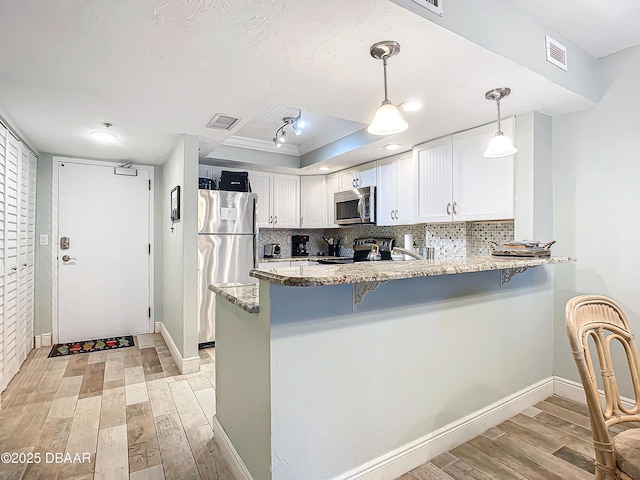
{"type": "Point", "coordinates": [88, 346]}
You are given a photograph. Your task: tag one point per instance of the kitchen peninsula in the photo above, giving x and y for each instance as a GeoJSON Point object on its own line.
{"type": "Point", "coordinates": [323, 383]}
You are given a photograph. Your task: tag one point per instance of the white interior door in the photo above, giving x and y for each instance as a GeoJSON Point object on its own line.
{"type": "Point", "coordinates": [103, 287]}
{"type": "Point", "coordinates": [3, 142]}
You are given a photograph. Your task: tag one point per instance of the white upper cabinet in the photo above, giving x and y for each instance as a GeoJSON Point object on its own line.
{"type": "Point", "coordinates": [278, 199]}
{"type": "Point", "coordinates": [360, 176]}
{"type": "Point", "coordinates": [261, 183]}
{"type": "Point", "coordinates": [286, 201]}
{"type": "Point", "coordinates": [313, 201]}
{"type": "Point", "coordinates": [435, 187]}
{"type": "Point", "coordinates": [482, 187]}
{"type": "Point", "coordinates": [333, 186]}
{"type": "Point", "coordinates": [396, 190]}
{"type": "Point", "coordinates": [456, 183]}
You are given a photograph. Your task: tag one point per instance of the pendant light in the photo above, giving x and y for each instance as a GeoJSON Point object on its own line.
{"type": "Point", "coordinates": [500, 145]}
{"type": "Point", "coordinates": [387, 120]}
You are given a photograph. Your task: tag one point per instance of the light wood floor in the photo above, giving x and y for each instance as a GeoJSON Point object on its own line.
{"type": "Point", "coordinates": [550, 441]}
{"type": "Point", "coordinates": [129, 410]}
{"type": "Point", "coordinates": [137, 418]}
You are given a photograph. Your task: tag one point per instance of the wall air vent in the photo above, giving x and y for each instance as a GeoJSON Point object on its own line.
{"type": "Point", "coordinates": [556, 53]}
{"type": "Point", "coordinates": [222, 122]}
{"type": "Point", "coordinates": [434, 6]}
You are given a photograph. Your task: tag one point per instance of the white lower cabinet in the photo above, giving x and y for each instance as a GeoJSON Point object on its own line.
{"type": "Point", "coordinates": [313, 201]}
{"type": "Point", "coordinates": [396, 190]}
{"type": "Point", "coordinates": [457, 184]}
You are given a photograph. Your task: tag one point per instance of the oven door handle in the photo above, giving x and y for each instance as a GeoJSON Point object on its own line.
{"type": "Point", "coordinates": [361, 209]}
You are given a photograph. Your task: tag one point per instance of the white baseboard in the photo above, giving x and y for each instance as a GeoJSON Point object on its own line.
{"type": "Point", "coordinates": [399, 461]}
{"type": "Point", "coordinates": [156, 327]}
{"type": "Point", "coordinates": [46, 339]}
{"type": "Point", "coordinates": [185, 365]}
{"type": "Point", "coordinates": [239, 470]}
{"type": "Point", "coordinates": [37, 341]}
{"type": "Point", "coordinates": [571, 390]}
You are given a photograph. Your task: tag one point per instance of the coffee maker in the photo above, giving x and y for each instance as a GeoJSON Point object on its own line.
{"type": "Point", "coordinates": [299, 245]}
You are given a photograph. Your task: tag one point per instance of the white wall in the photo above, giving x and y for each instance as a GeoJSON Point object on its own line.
{"type": "Point", "coordinates": [180, 248]}
{"type": "Point", "coordinates": [417, 355]}
{"type": "Point", "coordinates": [597, 199]}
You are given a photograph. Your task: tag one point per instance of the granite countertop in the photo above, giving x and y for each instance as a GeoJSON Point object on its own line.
{"type": "Point", "coordinates": [321, 275]}
{"type": "Point", "coordinates": [311, 258]}
{"type": "Point", "coordinates": [242, 295]}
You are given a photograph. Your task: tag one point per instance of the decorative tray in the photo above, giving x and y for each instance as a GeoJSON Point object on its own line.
{"type": "Point", "coordinates": [522, 248]}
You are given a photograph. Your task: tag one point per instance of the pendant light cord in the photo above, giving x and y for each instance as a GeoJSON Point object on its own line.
{"type": "Point", "coordinates": [499, 129]}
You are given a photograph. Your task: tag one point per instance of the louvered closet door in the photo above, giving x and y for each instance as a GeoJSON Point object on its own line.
{"type": "Point", "coordinates": [4, 379]}
{"type": "Point", "coordinates": [12, 162]}
{"type": "Point", "coordinates": [23, 196]}
{"type": "Point", "coordinates": [31, 248]}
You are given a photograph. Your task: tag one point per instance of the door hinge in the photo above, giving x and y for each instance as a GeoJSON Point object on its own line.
{"type": "Point", "coordinates": [149, 185]}
{"type": "Point", "coordinates": [149, 312]}
{"type": "Point", "coordinates": [149, 249]}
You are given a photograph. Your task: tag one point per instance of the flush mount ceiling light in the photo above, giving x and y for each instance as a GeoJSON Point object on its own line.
{"type": "Point", "coordinates": [324, 169]}
{"type": "Point", "coordinates": [104, 136]}
{"type": "Point", "coordinates": [411, 106]}
{"type": "Point", "coordinates": [500, 145]}
{"type": "Point", "coordinates": [387, 120]}
{"type": "Point", "coordinates": [297, 124]}
{"type": "Point", "coordinates": [392, 146]}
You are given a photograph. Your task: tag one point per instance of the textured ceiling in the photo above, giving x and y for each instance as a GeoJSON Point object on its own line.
{"type": "Point", "coordinates": [599, 27]}
{"type": "Point", "coordinates": [158, 68]}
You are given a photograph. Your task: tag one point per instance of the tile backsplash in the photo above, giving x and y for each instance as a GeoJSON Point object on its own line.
{"type": "Point", "coordinates": [451, 240]}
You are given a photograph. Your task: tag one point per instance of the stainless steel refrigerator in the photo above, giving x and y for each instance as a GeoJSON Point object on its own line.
{"type": "Point", "coordinates": [227, 248]}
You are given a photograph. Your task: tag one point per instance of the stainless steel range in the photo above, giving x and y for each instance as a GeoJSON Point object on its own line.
{"type": "Point", "coordinates": [362, 247]}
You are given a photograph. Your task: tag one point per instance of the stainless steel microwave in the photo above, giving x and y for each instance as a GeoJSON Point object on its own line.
{"type": "Point", "coordinates": [357, 205]}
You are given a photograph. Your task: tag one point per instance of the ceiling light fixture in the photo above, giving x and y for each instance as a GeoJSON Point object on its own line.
{"type": "Point", "coordinates": [411, 106]}
{"type": "Point", "coordinates": [387, 120]}
{"type": "Point", "coordinates": [392, 146]}
{"type": "Point", "coordinates": [297, 125]}
{"type": "Point", "coordinates": [324, 169]}
{"type": "Point", "coordinates": [104, 136]}
{"type": "Point", "coordinates": [500, 145]}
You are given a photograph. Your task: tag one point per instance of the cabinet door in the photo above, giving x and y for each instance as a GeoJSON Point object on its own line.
{"type": "Point", "coordinates": [261, 183]}
{"type": "Point", "coordinates": [406, 188]}
{"type": "Point", "coordinates": [435, 188]}
{"type": "Point", "coordinates": [366, 175]}
{"type": "Point", "coordinates": [313, 198]}
{"type": "Point", "coordinates": [286, 201]}
{"type": "Point", "coordinates": [386, 192]}
{"type": "Point", "coordinates": [333, 186]}
{"type": "Point", "coordinates": [347, 180]}
{"type": "Point", "coordinates": [482, 187]}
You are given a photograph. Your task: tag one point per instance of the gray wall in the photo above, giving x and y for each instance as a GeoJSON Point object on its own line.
{"type": "Point", "coordinates": [44, 275]}
{"type": "Point", "coordinates": [180, 248]}
{"type": "Point", "coordinates": [597, 199]}
{"type": "Point", "coordinates": [347, 387]}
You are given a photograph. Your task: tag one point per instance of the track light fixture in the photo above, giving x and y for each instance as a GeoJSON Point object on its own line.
{"type": "Point", "coordinates": [297, 124]}
{"type": "Point", "coordinates": [500, 145]}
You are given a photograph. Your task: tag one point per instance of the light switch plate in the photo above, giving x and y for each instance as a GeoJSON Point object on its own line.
{"type": "Point", "coordinates": [44, 239]}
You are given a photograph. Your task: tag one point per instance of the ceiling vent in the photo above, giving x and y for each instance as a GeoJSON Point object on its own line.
{"type": "Point", "coordinates": [556, 53]}
{"type": "Point", "coordinates": [434, 6]}
{"type": "Point", "coordinates": [221, 121]}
